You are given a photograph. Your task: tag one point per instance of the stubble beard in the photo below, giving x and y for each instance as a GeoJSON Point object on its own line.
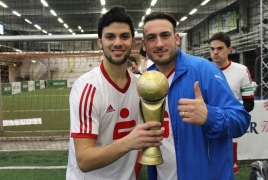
{"type": "Point", "coordinates": [117, 62]}
{"type": "Point", "coordinates": [166, 61]}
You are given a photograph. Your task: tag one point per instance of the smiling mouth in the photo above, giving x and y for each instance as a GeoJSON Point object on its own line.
{"type": "Point", "coordinates": [118, 52]}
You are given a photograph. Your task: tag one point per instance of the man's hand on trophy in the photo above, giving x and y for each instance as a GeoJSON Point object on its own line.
{"type": "Point", "coordinates": [193, 111]}
{"type": "Point", "coordinates": [141, 137]}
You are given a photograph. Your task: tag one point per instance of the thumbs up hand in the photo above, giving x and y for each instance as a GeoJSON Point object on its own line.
{"type": "Point", "coordinates": [193, 111]}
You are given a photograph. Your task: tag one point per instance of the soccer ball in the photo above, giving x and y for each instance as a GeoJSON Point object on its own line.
{"type": "Point", "coordinates": [152, 86]}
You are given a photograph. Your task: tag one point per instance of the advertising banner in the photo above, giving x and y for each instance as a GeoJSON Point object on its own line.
{"type": "Point", "coordinates": [254, 144]}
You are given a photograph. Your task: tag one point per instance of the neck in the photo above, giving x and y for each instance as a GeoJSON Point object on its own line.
{"type": "Point", "coordinates": [117, 73]}
{"type": "Point", "coordinates": [222, 64]}
{"type": "Point", "coordinates": [166, 69]}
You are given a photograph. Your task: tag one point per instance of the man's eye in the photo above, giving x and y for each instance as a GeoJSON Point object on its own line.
{"type": "Point", "coordinates": [125, 36]}
{"type": "Point", "coordinates": [109, 37]}
{"type": "Point", "coordinates": [150, 38]}
{"type": "Point", "coordinates": [165, 35]}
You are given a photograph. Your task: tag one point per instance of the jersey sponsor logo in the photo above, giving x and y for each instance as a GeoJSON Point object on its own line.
{"type": "Point", "coordinates": [110, 109]}
{"type": "Point", "coordinates": [124, 127]}
{"type": "Point", "coordinates": [218, 76]}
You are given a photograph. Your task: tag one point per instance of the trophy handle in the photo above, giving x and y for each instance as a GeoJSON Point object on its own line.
{"type": "Point", "coordinates": [149, 112]}
{"type": "Point", "coordinates": [152, 111]}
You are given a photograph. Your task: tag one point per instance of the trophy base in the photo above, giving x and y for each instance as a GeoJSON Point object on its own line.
{"type": "Point", "coordinates": [151, 156]}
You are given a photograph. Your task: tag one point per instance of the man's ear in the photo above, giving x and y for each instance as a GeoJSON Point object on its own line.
{"type": "Point", "coordinates": [143, 44]}
{"type": "Point", "coordinates": [230, 50]}
{"type": "Point", "coordinates": [99, 43]}
{"type": "Point", "coordinates": [177, 39]}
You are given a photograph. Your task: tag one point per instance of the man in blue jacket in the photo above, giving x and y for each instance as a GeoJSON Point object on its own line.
{"type": "Point", "coordinates": [202, 114]}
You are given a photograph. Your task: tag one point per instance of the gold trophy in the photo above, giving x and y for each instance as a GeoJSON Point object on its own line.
{"type": "Point", "coordinates": [152, 88]}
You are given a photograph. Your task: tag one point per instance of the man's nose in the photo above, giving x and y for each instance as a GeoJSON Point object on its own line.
{"type": "Point", "coordinates": [117, 42]}
{"type": "Point", "coordinates": [159, 42]}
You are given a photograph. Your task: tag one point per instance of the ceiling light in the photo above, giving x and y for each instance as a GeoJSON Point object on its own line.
{"type": "Point", "coordinates": [193, 11]}
{"type": "Point", "coordinates": [33, 61]}
{"type": "Point", "coordinates": [204, 2]}
{"type": "Point", "coordinates": [44, 3]}
{"type": "Point", "coordinates": [103, 2]}
{"type": "Point", "coordinates": [140, 24]}
{"type": "Point", "coordinates": [38, 27]}
{"type": "Point", "coordinates": [73, 33]}
{"type": "Point", "coordinates": [136, 32]}
{"type": "Point", "coordinates": [148, 11]}
{"type": "Point", "coordinates": [28, 21]}
{"type": "Point", "coordinates": [82, 30]}
{"type": "Point", "coordinates": [17, 50]}
{"type": "Point", "coordinates": [49, 34]}
{"type": "Point", "coordinates": [153, 2]}
{"type": "Point", "coordinates": [183, 18]}
{"type": "Point", "coordinates": [3, 4]}
{"type": "Point", "coordinates": [103, 11]}
{"type": "Point", "coordinates": [60, 20]}
{"type": "Point", "coordinates": [44, 31]}
{"type": "Point", "coordinates": [16, 13]}
{"type": "Point", "coordinates": [65, 25]}
{"type": "Point", "coordinates": [70, 30]}
{"type": "Point", "coordinates": [53, 12]}
{"type": "Point", "coordinates": [79, 27]}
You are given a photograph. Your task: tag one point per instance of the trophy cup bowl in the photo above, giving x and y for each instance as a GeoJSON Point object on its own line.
{"type": "Point", "coordinates": [152, 88]}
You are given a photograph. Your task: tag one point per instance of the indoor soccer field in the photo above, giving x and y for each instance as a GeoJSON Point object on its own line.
{"type": "Point", "coordinates": [45, 112]}
{"type": "Point", "coordinates": [45, 45]}
{"type": "Point", "coordinates": [51, 165]}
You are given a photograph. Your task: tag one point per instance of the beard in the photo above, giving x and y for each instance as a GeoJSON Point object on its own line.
{"type": "Point", "coordinates": [165, 61]}
{"type": "Point", "coordinates": [117, 62]}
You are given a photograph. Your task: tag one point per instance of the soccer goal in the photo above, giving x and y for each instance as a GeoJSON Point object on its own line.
{"type": "Point", "coordinates": [37, 73]}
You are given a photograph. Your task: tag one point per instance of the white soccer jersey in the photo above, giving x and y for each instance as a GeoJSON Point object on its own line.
{"type": "Point", "coordinates": [239, 80]}
{"type": "Point", "coordinates": [100, 110]}
{"type": "Point", "coordinates": [168, 169]}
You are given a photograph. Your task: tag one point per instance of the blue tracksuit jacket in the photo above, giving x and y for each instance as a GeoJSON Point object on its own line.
{"type": "Point", "coordinates": [204, 152]}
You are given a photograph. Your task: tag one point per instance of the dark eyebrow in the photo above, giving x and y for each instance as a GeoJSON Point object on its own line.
{"type": "Point", "coordinates": [220, 47]}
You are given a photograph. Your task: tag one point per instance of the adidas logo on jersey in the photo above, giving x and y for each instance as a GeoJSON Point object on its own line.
{"type": "Point", "coordinates": [110, 109]}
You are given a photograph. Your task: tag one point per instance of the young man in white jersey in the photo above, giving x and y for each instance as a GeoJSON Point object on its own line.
{"type": "Point", "coordinates": [104, 109]}
{"type": "Point", "coordinates": [237, 75]}
{"type": "Point", "coordinates": [202, 114]}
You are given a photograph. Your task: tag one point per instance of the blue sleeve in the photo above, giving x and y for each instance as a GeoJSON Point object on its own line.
{"type": "Point", "coordinates": [227, 117]}
{"type": "Point", "coordinates": [152, 172]}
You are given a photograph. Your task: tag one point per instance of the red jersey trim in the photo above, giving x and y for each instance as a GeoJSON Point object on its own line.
{"type": "Point", "coordinates": [229, 64]}
{"type": "Point", "coordinates": [170, 73]}
{"type": "Point", "coordinates": [112, 83]}
{"type": "Point", "coordinates": [248, 97]}
{"type": "Point", "coordinates": [79, 135]}
{"type": "Point", "coordinates": [86, 101]}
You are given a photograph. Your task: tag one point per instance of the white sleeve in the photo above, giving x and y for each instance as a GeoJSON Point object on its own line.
{"type": "Point", "coordinates": [83, 111]}
{"type": "Point", "coordinates": [247, 87]}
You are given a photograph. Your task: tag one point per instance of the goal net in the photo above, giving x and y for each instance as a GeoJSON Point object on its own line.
{"type": "Point", "coordinates": [35, 87]}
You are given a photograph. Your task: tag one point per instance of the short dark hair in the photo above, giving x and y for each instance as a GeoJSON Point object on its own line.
{"type": "Point", "coordinates": [115, 14]}
{"type": "Point", "coordinates": [142, 52]}
{"type": "Point", "coordinates": [161, 15]}
{"type": "Point", "coordinates": [132, 59]}
{"type": "Point", "coordinates": [221, 36]}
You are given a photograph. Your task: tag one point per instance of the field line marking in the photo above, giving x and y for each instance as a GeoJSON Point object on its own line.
{"type": "Point", "coordinates": [33, 167]}
{"type": "Point", "coordinates": [19, 122]}
{"type": "Point", "coordinates": [37, 110]}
